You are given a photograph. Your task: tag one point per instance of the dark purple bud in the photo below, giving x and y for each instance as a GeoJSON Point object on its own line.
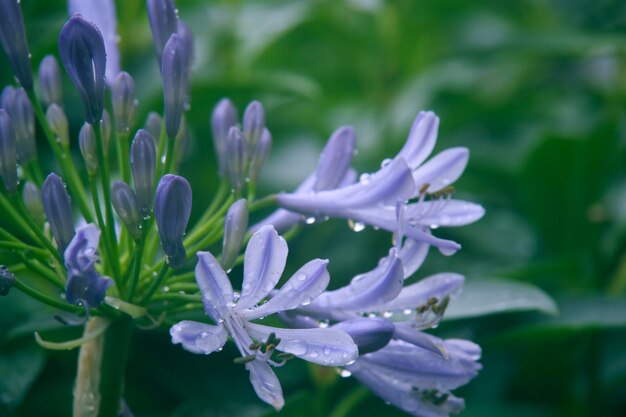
{"type": "Point", "coordinates": [32, 201]}
{"type": "Point", "coordinates": [14, 43]}
{"type": "Point", "coordinates": [125, 204]}
{"type": "Point", "coordinates": [143, 164]}
{"type": "Point", "coordinates": [369, 334]}
{"type": "Point", "coordinates": [58, 124]}
{"type": "Point", "coordinates": [175, 83]}
{"type": "Point", "coordinates": [124, 102]}
{"type": "Point", "coordinates": [15, 101]}
{"type": "Point", "coordinates": [58, 208]}
{"type": "Point", "coordinates": [88, 148]}
{"type": "Point", "coordinates": [105, 130]}
{"type": "Point", "coordinates": [8, 152]}
{"type": "Point", "coordinates": [172, 207]}
{"type": "Point", "coordinates": [253, 124]}
{"type": "Point", "coordinates": [50, 81]}
{"type": "Point", "coordinates": [224, 117]}
{"type": "Point", "coordinates": [235, 226]}
{"type": "Point", "coordinates": [259, 155]}
{"type": "Point", "coordinates": [7, 279]}
{"type": "Point", "coordinates": [153, 125]}
{"type": "Point", "coordinates": [335, 159]}
{"type": "Point", "coordinates": [186, 36]}
{"type": "Point", "coordinates": [236, 158]}
{"type": "Point", "coordinates": [163, 22]}
{"type": "Point", "coordinates": [83, 55]}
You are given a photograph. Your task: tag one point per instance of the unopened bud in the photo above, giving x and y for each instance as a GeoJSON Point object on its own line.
{"type": "Point", "coordinates": [13, 40]}
{"type": "Point", "coordinates": [153, 125]}
{"type": "Point", "coordinates": [163, 22]}
{"type": "Point", "coordinates": [235, 226]}
{"type": "Point", "coordinates": [58, 124]}
{"type": "Point", "coordinates": [236, 158]}
{"type": "Point", "coordinates": [143, 165]}
{"type": "Point", "coordinates": [175, 83]}
{"type": "Point", "coordinates": [259, 155]}
{"type": "Point", "coordinates": [8, 152]}
{"type": "Point", "coordinates": [88, 148]}
{"type": "Point", "coordinates": [15, 101]}
{"type": "Point", "coordinates": [253, 124]}
{"type": "Point", "coordinates": [172, 207]}
{"type": "Point", "coordinates": [50, 81]}
{"type": "Point", "coordinates": [124, 102]}
{"type": "Point", "coordinates": [224, 117]}
{"type": "Point", "coordinates": [125, 204]}
{"type": "Point", "coordinates": [58, 208]}
{"type": "Point", "coordinates": [32, 201]}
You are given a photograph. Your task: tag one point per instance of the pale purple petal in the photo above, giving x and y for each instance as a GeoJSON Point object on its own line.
{"type": "Point", "coordinates": [444, 212]}
{"type": "Point", "coordinates": [81, 251]}
{"type": "Point", "coordinates": [217, 292]}
{"type": "Point", "coordinates": [436, 286]}
{"type": "Point", "coordinates": [421, 140]}
{"type": "Point", "coordinates": [392, 183]}
{"type": "Point", "coordinates": [199, 337]}
{"type": "Point", "coordinates": [335, 159]}
{"type": "Point", "coordinates": [442, 170]}
{"type": "Point", "coordinates": [420, 339]}
{"type": "Point", "coordinates": [369, 334]}
{"type": "Point", "coordinates": [413, 254]}
{"type": "Point", "coordinates": [376, 287]}
{"type": "Point", "coordinates": [263, 265]}
{"type": "Point", "coordinates": [102, 14]}
{"type": "Point", "coordinates": [301, 289]}
{"type": "Point", "coordinates": [265, 383]}
{"type": "Point", "coordinates": [328, 347]}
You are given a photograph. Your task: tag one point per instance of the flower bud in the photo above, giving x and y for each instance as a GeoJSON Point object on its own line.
{"type": "Point", "coordinates": [125, 204]}
{"type": "Point", "coordinates": [13, 40]}
{"type": "Point", "coordinates": [124, 102]}
{"type": "Point", "coordinates": [172, 207]}
{"type": "Point", "coordinates": [236, 158]}
{"type": "Point", "coordinates": [224, 117]}
{"type": "Point", "coordinates": [143, 165]}
{"type": "Point", "coordinates": [253, 124]}
{"type": "Point", "coordinates": [58, 208]}
{"type": "Point", "coordinates": [83, 55]}
{"type": "Point", "coordinates": [59, 125]}
{"type": "Point", "coordinates": [8, 152]}
{"type": "Point", "coordinates": [7, 279]}
{"type": "Point", "coordinates": [259, 155]}
{"type": "Point", "coordinates": [182, 141]}
{"type": "Point", "coordinates": [105, 130]}
{"type": "Point", "coordinates": [175, 83]}
{"type": "Point", "coordinates": [15, 101]}
{"type": "Point", "coordinates": [186, 36]}
{"type": "Point", "coordinates": [163, 22]}
{"type": "Point", "coordinates": [235, 226]}
{"type": "Point", "coordinates": [32, 201]}
{"type": "Point", "coordinates": [369, 334]}
{"type": "Point", "coordinates": [50, 81]}
{"type": "Point", "coordinates": [88, 148]}
{"type": "Point", "coordinates": [153, 125]}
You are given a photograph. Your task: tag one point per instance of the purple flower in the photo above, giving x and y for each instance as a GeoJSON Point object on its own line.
{"type": "Point", "coordinates": [102, 14]}
{"type": "Point", "coordinates": [83, 55]}
{"type": "Point", "coordinates": [84, 283]}
{"type": "Point", "coordinates": [175, 73]}
{"type": "Point", "coordinates": [13, 40]}
{"type": "Point", "coordinates": [264, 262]}
{"type": "Point", "coordinates": [374, 199]}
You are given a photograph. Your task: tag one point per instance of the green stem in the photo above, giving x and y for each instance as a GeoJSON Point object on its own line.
{"type": "Point", "coordinates": [34, 227]}
{"type": "Point", "coordinates": [169, 157]}
{"type": "Point", "coordinates": [53, 302]}
{"type": "Point", "coordinates": [137, 267]}
{"type": "Point", "coordinates": [124, 156]}
{"type": "Point", "coordinates": [350, 401]}
{"type": "Point", "coordinates": [70, 174]}
{"type": "Point", "coordinates": [105, 237]}
{"type": "Point", "coordinates": [155, 284]}
{"type": "Point", "coordinates": [14, 218]}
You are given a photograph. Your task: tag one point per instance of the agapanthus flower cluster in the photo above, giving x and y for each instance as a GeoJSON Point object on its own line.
{"type": "Point", "coordinates": [111, 242]}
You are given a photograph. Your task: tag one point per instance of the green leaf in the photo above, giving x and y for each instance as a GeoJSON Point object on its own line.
{"type": "Point", "coordinates": [19, 368]}
{"type": "Point", "coordinates": [481, 298]}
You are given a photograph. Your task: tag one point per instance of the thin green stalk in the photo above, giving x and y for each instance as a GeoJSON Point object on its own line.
{"type": "Point", "coordinates": [177, 297]}
{"type": "Point", "coordinates": [70, 174]}
{"type": "Point", "coordinates": [108, 208]}
{"type": "Point", "coordinates": [124, 156]}
{"type": "Point", "coordinates": [348, 402]}
{"type": "Point", "coordinates": [14, 218]}
{"type": "Point", "coordinates": [53, 302]}
{"type": "Point", "coordinates": [262, 203]}
{"type": "Point", "coordinates": [169, 156]}
{"type": "Point", "coordinates": [105, 237]}
{"type": "Point", "coordinates": [23, 247]}
{"type": "Point", "coordinates": [155, 284]}
{"type": "Point", "coordinates": [17, 201]}
{"type": "Point", "coordinates": [138, 261]}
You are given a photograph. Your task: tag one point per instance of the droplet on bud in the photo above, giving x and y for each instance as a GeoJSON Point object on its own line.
{"type": "Point", "coordinates": [235, 226]}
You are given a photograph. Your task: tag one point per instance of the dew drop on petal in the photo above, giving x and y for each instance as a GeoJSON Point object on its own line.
{"type": "Point", "coordinates": [345, 373]}
{"type": "Point", "coordinates": [356, 226]}
{"type": "Point", "coordinates": [295, 347]}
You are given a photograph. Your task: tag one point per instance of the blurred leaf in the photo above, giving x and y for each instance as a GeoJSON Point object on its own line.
{"type": "Point", "coordinates": [19, 367]}
{"type": "Point", "coordinates": [480, 298]}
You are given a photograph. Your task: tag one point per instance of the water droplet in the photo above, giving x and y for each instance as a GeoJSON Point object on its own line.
{"type": "Point", "coordinates": [407, 311]}
{"type": "Point", "coordinates": [306, 301]}
{"type": "Point", "coordinates": [309, 220]}
{"type": "Point", "coordinates": [365, 179]}
{"type": "Point", "coordinates": [165, 289]}
{"type": "Point", "coordinates": [387, 314]}
{"type": "Point", "coordinates": [385, 162]}
{"type": "Point", "coordinates": [434, 226]}
{"type": "Point", "coordinates": [356, 226]}
{"type": "Point", "coordinates": [327, 350]}
{"type": "Point", "coordinates": [230, 304]}
{"type": "Point", "coordinates": [313, 354]}
{"type": "Point", "coordinates": [301, 276]}
{"type": "Point", "coordinates": [345, 373]}
{"type": "Point", "coordinates": [236, 296]}
{"type": "Point", "coordinates": [295, 347]}
{"type": "Point", "coordinates": [324, 324]}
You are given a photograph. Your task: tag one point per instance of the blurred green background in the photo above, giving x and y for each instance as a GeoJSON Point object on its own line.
{"type": "Point", "coordinates": [535, 89]}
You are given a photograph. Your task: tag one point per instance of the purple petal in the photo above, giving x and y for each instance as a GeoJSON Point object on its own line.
{"type": "Point", "coordinates": [265, 383]}
{"type": "Point", "coordinates": [301, 289]}
{"type": "Point", "coordinates": [263, 266]}
{"type": "Point", "coordinates": [443, 213]}
{"type": "Point", "coordinates": [420, 339]}
{"type": "Point", "coordinates": [442, 170]}
{"type": "Point", "coordinates": [81, 251]}
{"type": "Point", "coordinates": [413, 254]}
{"type": "Point", "coordinates": [217, 292]}
{"type": "Point", "coordinates": [102, 14]}
{"type": "Point", "coordinates": [421, 140]}
{"type": "Point", "coordinates": [368, 290]}
{"type": "Point", "coordinates": [199, 337]}
{"type": "Point", "coordinates": [393, 182]}
{"type": "Point", "coordinates": [418, 294]}
{"type": "Point", "coordinates": [369, 334]}
{"type": "Point", "coordinates": [335, 159]}
{"type": "Point", "coordinates": [328, 347]}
